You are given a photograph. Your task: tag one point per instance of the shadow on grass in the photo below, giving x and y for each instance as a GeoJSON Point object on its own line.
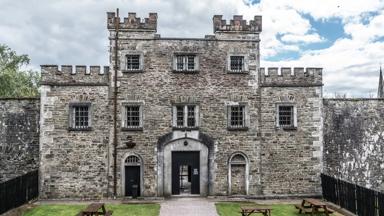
{"type": "Point", "coordinates": [118, 210]}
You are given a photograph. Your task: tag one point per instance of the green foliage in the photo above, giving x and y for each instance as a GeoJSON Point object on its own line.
{"type": "Point", "coordinates": [15, 82]}
{"type": "Point", "coordinates": [118, 210]}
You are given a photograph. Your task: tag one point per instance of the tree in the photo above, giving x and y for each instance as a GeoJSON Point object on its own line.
{"type": "Point", "coordinates": [14, 81]}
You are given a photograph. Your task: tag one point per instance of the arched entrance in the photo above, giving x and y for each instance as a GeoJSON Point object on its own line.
{"type": "Point", "coordinates": [183, 164]}
{"type": "Point", "coordinates": [132, 175]}
{"type": "Point", "coordinates": [238, 174]}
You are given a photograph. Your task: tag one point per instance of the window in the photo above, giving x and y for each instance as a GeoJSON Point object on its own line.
{"type": "Point", "coordinates": [237, 63]}
{"type": "Point", "coordinates": [132, 117]}
{"type": "Point", "coordinates": [186, 62]}
{"type": "Point", "coordinates": [237, 116]}
{"type": "Point", "coordinates": [80, 116]}
{"type": "Point", "coordinates": [185, 116]}
{"type": "Point", "coordinates": [133, 62]}
{"type": "Point", "coordinates": [286, 116]}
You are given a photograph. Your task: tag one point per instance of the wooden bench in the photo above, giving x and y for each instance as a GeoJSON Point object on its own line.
{"type": "Point", "coordinates": [246, 211]}
{"type": "Point", "coordinates": [94, 209]}
{"type": "Point", "coordinates": [313, 206]}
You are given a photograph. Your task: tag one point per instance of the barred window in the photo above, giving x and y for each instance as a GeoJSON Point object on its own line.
{"type": "Point", "coordinates": [286, 116]}
{"type": "Point", "coordinates": [186, 63]}
{"type": "Point", "coordinates": [133, 62]}
{"type": "Point", "coordinates": [237, 116]}
{"type": "Point", "coordinates": [185, 116]}
{"type": "Point", "coordinates": [180, 116]}
{"type": "Point", "coordinates": [133, 116]}
{"type": "Point", "coordinates": [80, 115]}
{"type": "Point", "coordinates": [237, 63]}
{"type": "Point", "coordinates": [191, 116]}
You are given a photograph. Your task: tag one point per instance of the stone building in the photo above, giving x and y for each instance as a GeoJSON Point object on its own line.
{"type": "Point", "coordinates": [179, 116]}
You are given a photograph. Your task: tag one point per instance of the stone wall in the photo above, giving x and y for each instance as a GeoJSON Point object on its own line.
{"type": "Point", "coordinates": [73, 164]}
{"type": "Point", "coordinates": [19, 137]}
{"type": "Point", "coordinates": [354, 141]}
{"type": "Point", "coordinates": [291, 158]}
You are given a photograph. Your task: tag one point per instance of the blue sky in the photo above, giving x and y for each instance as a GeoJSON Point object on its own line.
{"type": "Point", "coordinates": [344, 37]}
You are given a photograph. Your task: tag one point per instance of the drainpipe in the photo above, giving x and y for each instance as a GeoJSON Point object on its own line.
{"type": "Point", "coordinates": [115, 68]}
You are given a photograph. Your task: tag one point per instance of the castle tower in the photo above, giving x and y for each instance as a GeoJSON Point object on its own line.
{"type": "Point", "coordinates": [380, 90]}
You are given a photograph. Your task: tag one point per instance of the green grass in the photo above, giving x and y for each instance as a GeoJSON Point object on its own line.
{"type": "Point", "coordinates": [118, 210]}
{"type": "Point", "coordinates": [233, 209]}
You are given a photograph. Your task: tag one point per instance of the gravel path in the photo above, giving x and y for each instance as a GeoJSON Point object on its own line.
{"type": "Point", "coordinates": [188, 207]}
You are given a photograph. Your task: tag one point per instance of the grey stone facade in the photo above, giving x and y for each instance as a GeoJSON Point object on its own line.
{"type": "Point", "coordinates": [19, 137]}
{"type": "Point", "coordinates": [277, 161]}
{"type": "Point", "coordinates": [353, 141]}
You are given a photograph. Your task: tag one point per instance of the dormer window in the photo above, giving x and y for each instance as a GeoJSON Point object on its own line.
{"type": "Point", "coordinates": [185, 62]}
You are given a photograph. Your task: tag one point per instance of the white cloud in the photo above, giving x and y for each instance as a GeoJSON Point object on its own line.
{"type": "Point", "coordinates": [74, 32]}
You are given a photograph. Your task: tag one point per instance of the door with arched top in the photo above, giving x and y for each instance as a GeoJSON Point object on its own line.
{"type": "Point", "coordinates": [132, 176]}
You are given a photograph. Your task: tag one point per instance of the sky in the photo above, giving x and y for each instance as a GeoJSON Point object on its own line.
{"type": "Point", "coordinates": [344, 37]}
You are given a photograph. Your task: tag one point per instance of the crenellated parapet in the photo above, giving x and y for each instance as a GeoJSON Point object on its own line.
{"type": "Point", "coordinates": [237, 24]}
{"type": "Point", "coordinates": [286, 77]}
{"type": "Point", "coordinates": [132, 22]}
{"type": "Point", "coordinates": [74, 75]}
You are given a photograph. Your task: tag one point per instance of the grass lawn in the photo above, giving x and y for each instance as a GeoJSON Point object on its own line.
{"type": "Point", "coordinates": [233, 209]}
{"type": "Point", "coordinates": [118, 210]}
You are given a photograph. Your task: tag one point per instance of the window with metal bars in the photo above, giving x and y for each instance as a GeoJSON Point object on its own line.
{"type": "Point", "coordinates": [185, 116]}
{"type": "Point", "coordinates": [179, 116]}
{"type": "Point", "coordinates": [80, 115]}
{"type": "Point", "coordinates": [286, 116]}
{"type": "Point", "coordinates": [191, 116]}
{"type": "Point", "coordinates": [133, 116]}
{"type": "Point", "coordinates": [133, 62]}
{"type": "Point", "coordinates": [237, 63]}
{"type": "Point", "coordinates": [185, 63]}
{"type": "Point", "coordinates": [237, 116]}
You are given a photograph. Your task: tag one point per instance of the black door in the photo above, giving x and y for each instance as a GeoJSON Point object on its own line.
{"type": "Point", "coordinates": [132, 181]}
{"type": "Point", "coordinates": [190, 160]}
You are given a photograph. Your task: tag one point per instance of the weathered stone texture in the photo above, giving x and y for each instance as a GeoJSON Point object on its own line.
{"type": "Point", "coordinates": [73, 164]}
{"type": "Point", "coordinates": [19, 137]}
{"type": "Point", "coordinates": [80, 163]}
{"type": "Point", "coordinates": [291, 158]}
{"type": "Point", "coordinates": [354, 141]}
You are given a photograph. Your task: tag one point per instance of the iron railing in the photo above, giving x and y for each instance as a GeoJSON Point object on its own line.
{"type": "Point", "coordinates": [356, 199]}
{"type": "Point", "coordinates": [18, 191]}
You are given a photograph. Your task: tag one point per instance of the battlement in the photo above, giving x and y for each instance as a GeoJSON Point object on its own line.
{"type": "Point", "coordinates": [237, 24]}
{"type": "Point", "coordinates": [77, 75]}
{"type": "Point", "coordinates": [133, 23]}
{"type": "Point", "coordinates": [285, 77]}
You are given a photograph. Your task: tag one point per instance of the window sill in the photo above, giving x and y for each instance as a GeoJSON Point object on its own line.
{"type": "Point", "coordinates": [132, 129]}
{"type": "Point", "coordinates": [288, 128]}
{"type": "Point", "coordinates": [185, 128]}
{"type": "Point", "coordinates": [237, 72]}
{"type": "Point", "coordinates": [185, 71]}
{"type": "Point", "coordinates": [132, 71]}
{"type": "Point", "coordinates": [80, 129]}
{"type": "Point", "coordinates": [237, 128]}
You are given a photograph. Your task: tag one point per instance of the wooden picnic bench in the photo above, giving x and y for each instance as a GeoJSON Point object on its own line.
{"type": "Point", "coordinates": [246, 211]}
{"type": "Point", "coordinates": [95, 209]}
{"type": "Point", "coordinates": [313, 206]}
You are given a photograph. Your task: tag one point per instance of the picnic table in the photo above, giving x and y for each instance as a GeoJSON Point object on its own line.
{"type": "Point", "coordinates": [246, 211]}
{"type": "Point", "coordinates": [313, 206]}
{"type": "Point", "coordinates": [95, 209]}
